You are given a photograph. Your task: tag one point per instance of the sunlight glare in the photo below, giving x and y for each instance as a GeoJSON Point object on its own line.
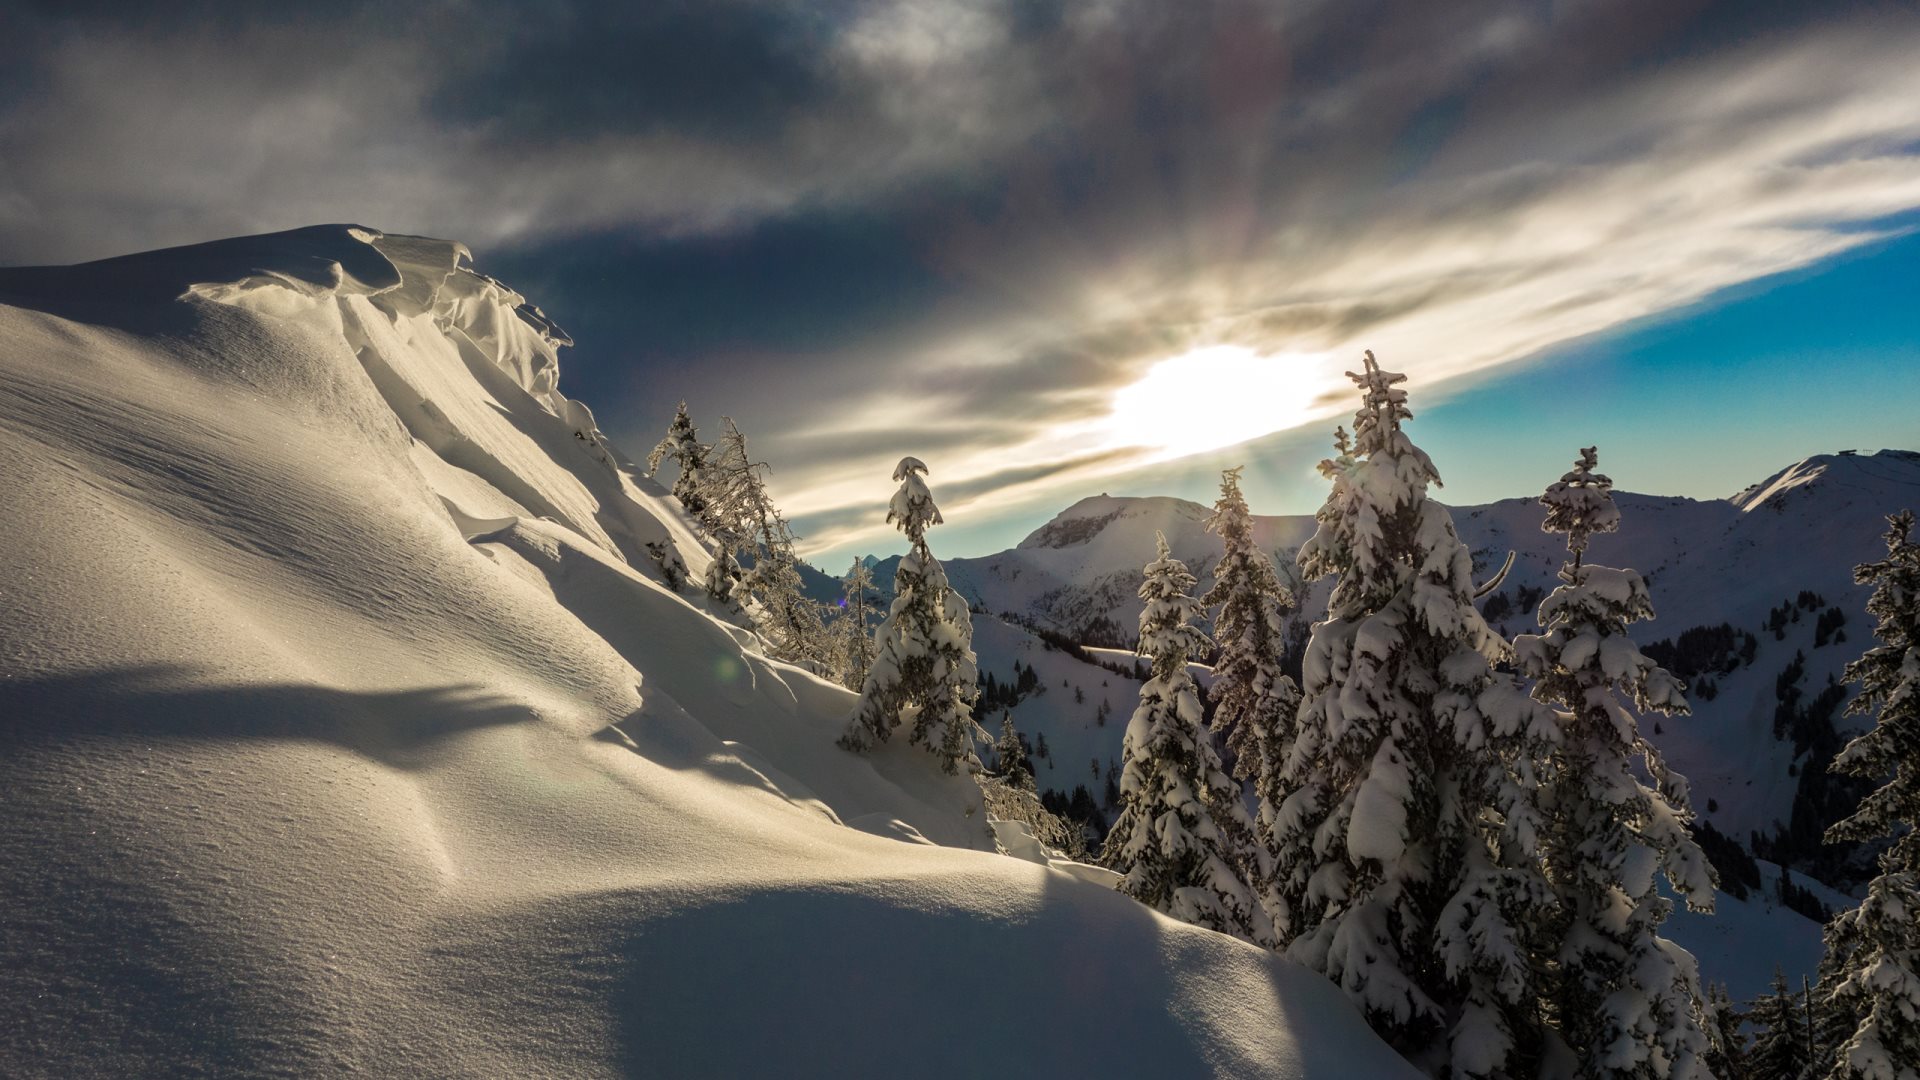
{"type": "Point", "coordinates": [1215, 396]}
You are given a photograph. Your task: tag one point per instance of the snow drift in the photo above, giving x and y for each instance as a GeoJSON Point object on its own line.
{"type": "Point", "coordinates": [347, 726]}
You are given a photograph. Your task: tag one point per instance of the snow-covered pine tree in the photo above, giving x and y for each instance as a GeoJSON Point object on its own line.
{"type": "Point", "coordinates": [1779, 1022]}
{"type": "Point", "coordinates": [1010, 756]}
{"type": "Point", "coordinates": [723, 574]}
{"type": "Point", "coordinates": [1178, 841]}
{"type": "Point", "coordinates": [851, 636]}
{"type": "Point", "coordinates": [1254, 702]}
{"type": "Point", "coordinates": [924, 673]}
{"type": "Point", "coordinates": [744, 521]}
{"type": "Point", "coordinates": [682, 444]}
{"type": "Point", "coordinates": [1405, 841]}
{"type": "Point", "coordinates": [1871, 974]}
{"type": "Point", "coordinates": [1627, 1001]}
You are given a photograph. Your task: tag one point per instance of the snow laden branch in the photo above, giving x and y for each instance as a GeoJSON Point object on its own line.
{"type": "Point", "coordinates": [924, 674]}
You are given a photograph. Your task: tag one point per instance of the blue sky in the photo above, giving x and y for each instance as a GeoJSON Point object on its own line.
{"type": "Point", "coordinates": [1051, 248]}
{"type": "Point", "coordinates": [1707, 400]}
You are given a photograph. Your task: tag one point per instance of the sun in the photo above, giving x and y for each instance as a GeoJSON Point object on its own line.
{"type": "Point", "coordinates": [1215, 396]}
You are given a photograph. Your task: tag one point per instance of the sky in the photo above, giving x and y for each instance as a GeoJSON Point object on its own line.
{"type": "Point", "coordinates": [1059, 249]}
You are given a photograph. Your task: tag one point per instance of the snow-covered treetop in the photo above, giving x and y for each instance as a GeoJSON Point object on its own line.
{"type": "Point", "coordinates": [1382, 408]}
{"type": "Point", "coordinates": [912, 508]}
{"type": "Point", "coordinates": [858, 579]}
{"type": "Point", "coordinates": [1377, 530]}
{"type": "Point", "coordinates": [1231, 519]}
{"type": "Point", "coordinates": [680, 443]}
{"type": "Point", "coordinates": [1165, 621]}
{"type": "Point", "coordinates": [1581, 504]}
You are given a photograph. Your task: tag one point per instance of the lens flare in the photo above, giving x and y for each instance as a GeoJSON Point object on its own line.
{"type": "Point", "coordinates": [1213, 397]}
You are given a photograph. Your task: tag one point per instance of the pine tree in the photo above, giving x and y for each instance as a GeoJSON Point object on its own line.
{"type": "Point", "coordinates": [1010, 756]}
{"type": "Point", "coordinates": [1871, 975]}
{"type": "Point", "coordinates": [1405, 842]}
{"type": "Point", "coordinates": [924, 673]}
{"type": "Point", "coordinates": [1179, 838]}
{"type": "Point", "coordinates": [1255, 702]}
{"type": "Point", "coordinates": [1779, 1022]}
{"type": "Point", "coordinates": [852, 637]}
{"type": "Point", "coordinates": [1726, 1057]}
{"type": "Point", "coordinates": [1628, 1002]}
{"type": "Point", "coordinates": [682, 444]}
{"type": "Point", "coordinates": [723, 574]}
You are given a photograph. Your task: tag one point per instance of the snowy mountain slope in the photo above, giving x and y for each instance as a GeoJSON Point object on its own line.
{"type": "Point", "coordinates": [1731, 559]}
{"type": "Point", "coordinates": [1708, 562]}
{"type": "Point", "coordinates": [347, 726]}
{"type": "Point", "coordinates": [1736, 561]}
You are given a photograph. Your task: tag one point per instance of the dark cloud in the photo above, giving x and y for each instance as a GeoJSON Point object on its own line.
{"type": "Point", "coordinates": [709, 69]}
{"type": "Point", "coordinates": [963, 226]}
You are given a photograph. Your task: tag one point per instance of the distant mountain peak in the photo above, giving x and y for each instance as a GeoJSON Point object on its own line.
{"type": "Point", "coordinates": [1895, 467]}
{"type": "Point", "coordinates": [1088, 518]}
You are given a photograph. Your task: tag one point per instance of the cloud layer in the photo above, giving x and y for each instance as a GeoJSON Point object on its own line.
{"type": "Point", "coordinates": [958, 229]}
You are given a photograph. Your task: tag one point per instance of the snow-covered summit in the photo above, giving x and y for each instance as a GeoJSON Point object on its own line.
{"type": "Point", "coordinates": [348, 723]}
{"type": "Point", "coordinates": [1086, 520]}
{"type": "Point", "coordinates": [1848, 469]}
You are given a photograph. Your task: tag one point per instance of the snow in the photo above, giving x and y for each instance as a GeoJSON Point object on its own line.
{"type": "Point", "coordinates": [1378, 829]}
{"type": "Point", "coordinates": [346, 725]}
{"type": "Point", "coordinates": [1744, 940]}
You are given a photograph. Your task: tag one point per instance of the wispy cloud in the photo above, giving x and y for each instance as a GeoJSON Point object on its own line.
{"type": "Point", "coordinates": [1071, 193]}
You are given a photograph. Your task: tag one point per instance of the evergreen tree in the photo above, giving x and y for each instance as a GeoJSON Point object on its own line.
{"type": "Point", "coordinates": [1871, 975]}
{"type": "Point", "coordinates": [1726, 1057]}
{"type": "Point", "coordinates": [1628, 1001]}
{"type": "Point", "coordinates": [924, 673]}
{"type": "Point", "coordinates": [723, 574]}
{"type": "Point", "coordinates": [1779, 1022]}
{"type": "Point", "coordinates": [852, 637]}
{"type": "Point", "coordinates": [1010, 756]}
{"type": "Point", "coordinates": [745, 522]}
{"type": "Point", "coordinates": [1255, 702]}
{"type": "Point", "coordinates": [1405, 855]}
{"type": "Point", "coordinates": [682, 444]}
{"type": "Point", "coordinates": [1179, 838]}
